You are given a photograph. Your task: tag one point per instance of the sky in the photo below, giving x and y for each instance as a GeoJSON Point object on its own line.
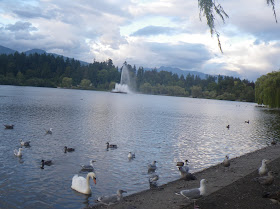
{"type": "Point", "coordinates": [148, 33]}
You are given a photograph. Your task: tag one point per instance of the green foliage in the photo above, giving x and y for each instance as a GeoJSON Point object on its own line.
{"type": "Point", "coordinates": [85, 84]}
{"type": "Point", "coordinates": [268, 89]}
{"type": "Point", "coordinates": [66, 82]}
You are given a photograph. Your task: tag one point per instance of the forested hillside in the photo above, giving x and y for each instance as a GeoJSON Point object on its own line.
{"type": "Point", "coordinates": [50, 71]}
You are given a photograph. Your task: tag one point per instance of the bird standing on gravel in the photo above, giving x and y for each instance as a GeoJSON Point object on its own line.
{"type": "Point", "coordinates": [263, 170]}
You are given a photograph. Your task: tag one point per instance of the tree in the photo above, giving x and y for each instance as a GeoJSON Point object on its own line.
{"type": "Point", "coordinates": [85, 83]}
{"type": "Point", "coordinates": [209, 8]}
{"type": "Point", "coordinates": [196, 91]}
{"type": "Point", "coordinates": [66, 82]}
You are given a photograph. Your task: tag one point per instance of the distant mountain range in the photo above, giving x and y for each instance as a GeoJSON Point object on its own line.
{"type": "Point", "coordinates": [5, 50]}
{"type": "Point", "coordinates": [178, 71]}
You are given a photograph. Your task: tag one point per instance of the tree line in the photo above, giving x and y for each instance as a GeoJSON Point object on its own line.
{"type": "Point", "coordinates": [46, 70]}
{"type": "Point", "coordinates": [268, 89]}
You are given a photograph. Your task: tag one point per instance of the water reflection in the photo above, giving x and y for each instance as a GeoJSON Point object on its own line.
{"type": "Point", "coordinates": [165, 129]}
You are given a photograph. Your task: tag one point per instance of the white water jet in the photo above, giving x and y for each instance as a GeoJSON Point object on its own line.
{"type": "Point", "coordinates": [123, 86]}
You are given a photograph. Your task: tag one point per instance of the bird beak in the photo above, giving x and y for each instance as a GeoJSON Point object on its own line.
{"type": "Point", "coordinates": [94, 180]}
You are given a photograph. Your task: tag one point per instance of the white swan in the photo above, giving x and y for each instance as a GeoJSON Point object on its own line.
{"type": "Point", "coordinates": [26, 144]}
{"type": "Point", "coordinates": [81, 184]}
{"type": "Point", "coordinates": [18, 152]}
{"type": "Point", "coordinates": [88, 167]}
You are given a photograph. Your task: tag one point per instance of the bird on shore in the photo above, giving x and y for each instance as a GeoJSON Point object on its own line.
{"type": "Point", "coordinates": [263, 170]}
{"type": "Point", "coordinates": [109, 200]}
{"type": "Point", "coordinates": [9, 126]}
{"type": "Point", "coordinates": [68, 149]}
{"type": "Point", "coordinates": [152, 167]}
{"type": "Point", "coordinates": [114, 146]}
{"type": "Point", "coordinates": [26, 144]}
{"type": "Point", "coordinates": [131, 155]}
{"type": "Point", "coordinates": [18, 152]}
{"type": "Point", "coordinates": [88, 167]}
{"type": "Point", "coordinates": [195, 193]}
{"type": "Point", "coordinates": [153, 180]}
{"type": "Point", "coordinates": [273, 196]}
{"type": "Point", "coordinates": [49, 131]}
{"type": "Point", "coordinates": [81, 184]}
{"type": "Point", "coordinates": [265, 180]}
{"type": "Point", "coordinates": [226, 162]}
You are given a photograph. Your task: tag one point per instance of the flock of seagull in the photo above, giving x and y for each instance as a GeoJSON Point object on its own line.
{"type": "Point", "coordinates": [82, 184]}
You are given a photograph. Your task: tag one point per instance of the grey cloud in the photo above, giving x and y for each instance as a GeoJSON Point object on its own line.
{"type": "Point", "coordinates": [153, 30]}
{"type": "Point", "coordinates": [20, 26]}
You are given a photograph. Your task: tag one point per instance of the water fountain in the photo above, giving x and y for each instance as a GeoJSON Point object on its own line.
{"type": "Point", "coordinates": [123, 86]}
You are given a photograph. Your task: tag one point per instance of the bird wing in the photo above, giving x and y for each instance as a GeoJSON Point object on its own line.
{"type": "Point", "coordinates": [191, 193]}
{"type": "Point", "coordinates": [107, 200]}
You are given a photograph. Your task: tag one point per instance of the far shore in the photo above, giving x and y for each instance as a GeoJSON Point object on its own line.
{"type": "Point", "coordinates": [232, 188]}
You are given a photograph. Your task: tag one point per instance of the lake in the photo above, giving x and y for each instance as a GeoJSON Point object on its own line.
{"type": "Point", "coordinates": [161, 128]}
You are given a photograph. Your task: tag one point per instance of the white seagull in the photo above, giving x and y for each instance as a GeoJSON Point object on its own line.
{"type": "Point", "coordinates": [195, 193]}
{"type": "Point", "coordinates": [263, 170]}
{"type": "Point", "coordinates": [88, 167]}
{"type": "Point", "coordinates": [18, 152]}
{"type": "Point", "coordinates": [109, 200]}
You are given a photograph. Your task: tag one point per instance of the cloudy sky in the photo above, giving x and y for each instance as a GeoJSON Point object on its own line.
{"type": "Point", "coordinates": [147, 33]}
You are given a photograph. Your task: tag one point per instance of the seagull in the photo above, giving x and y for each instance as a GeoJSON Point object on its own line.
{"type": "Point", "coordinates": [195, 193]}
{"type": "Point", "coordinates": [111, 145]}
{"type": "Point", "coordinates": [265, 180]}
{"type": "Point", "coordinates": [66, 149]}
{"type": "Point", "coordinates": [153, 179]}
{"type": "Point", "coordinates": [152, 167]}
{"type": "Point", "coordinates": [226, 162]}
{"type": "Point", "coordinates": [263, 169]}
{"type": "Point", "coordinates": [130, 155]}
{"type": "Point", "coordinates": [26, 144]}
{"type": "Point", "coordinates": [49, 131]}
{"type": "Point", "coordinates": [187, 176]}
{"type": "Point", "coordinates": [18, 152]}
{"type": "Point", "coordinates": [88, 167]}
{"type": "Point", "coordinates": [273, 196]}
{"type": "Point", "coordinates": [109, 200]}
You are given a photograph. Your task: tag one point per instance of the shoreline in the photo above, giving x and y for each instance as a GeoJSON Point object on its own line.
{"type": "Point", "coordinates": [220, 181]}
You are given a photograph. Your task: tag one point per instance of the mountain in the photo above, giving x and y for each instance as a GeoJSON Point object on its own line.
{"type": "Point", "coordinates": [5, 50]}
{"type": "Point", "coordinates": [180, 72]}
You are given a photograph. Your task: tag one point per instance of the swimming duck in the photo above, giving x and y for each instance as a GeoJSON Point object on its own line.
{"type": "Point", "coordinates": [49, 131]}
{"type": "Point", "coordinates": [88, 167]}
{"type": "Point", "coordinates": [68, 149]}
{"type": "Point", "coordinates": [9, 126]}
{"type": "Point", "coordinates": [111, 145]}
{"type": "Point", "coordinates": [130, 155]}
{"type": "Point", "coordinates": [26, 144]}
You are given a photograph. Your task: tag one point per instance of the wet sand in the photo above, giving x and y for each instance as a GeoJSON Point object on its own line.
{"type": "Point", "coordinates": [230, 188]}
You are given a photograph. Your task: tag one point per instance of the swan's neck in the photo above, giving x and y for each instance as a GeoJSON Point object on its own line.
{"type": "Point", "coordinates": [88, 190]}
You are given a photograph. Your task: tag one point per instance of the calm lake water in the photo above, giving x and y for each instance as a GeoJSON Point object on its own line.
{"type": "Point", "coordinates": [161, 128]}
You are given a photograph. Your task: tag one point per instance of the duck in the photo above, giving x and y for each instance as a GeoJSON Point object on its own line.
{"type": "Point", "coordinates": [130, 155]}
{"type": "Point", "coordinates": [152, 167]}
{"type": "Point", "coordinates": [194, 193]}
{"type": "Point", "coordinates": [109, 200]}
{"type": "Point", "coordinates": [68, 149]}
{"type": "Point", "coordinates": [226, 162]}
{"type": "Point", "coordinates": [247, 121]}
{"type": "Point", "coordinates": [49, 131]}
{"type": "Point", "coordinates": [88, 167]}
{"type": "Point", "coordinates": [46, 162]}
{"type": "Point", "coordinates": [227, 126]}
{"type": "Point", "coordinates": [179, 164]}
{"type": "Point", "coordinates": [26, 144]}
{"type": "Point", "coordinates": [81, 184]}
{"type": "Point", "coordinates": [263, 170]}
{"type": "Point", "coordinates": [111, 145]}
{"type": "Point", "coordinates": [9, 126]}
{"type": "Point", "coordinates": [18, 152]}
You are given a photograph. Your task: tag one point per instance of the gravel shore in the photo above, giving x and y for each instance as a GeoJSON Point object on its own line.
{"type": "Point", "coordinates": [231, 188]}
